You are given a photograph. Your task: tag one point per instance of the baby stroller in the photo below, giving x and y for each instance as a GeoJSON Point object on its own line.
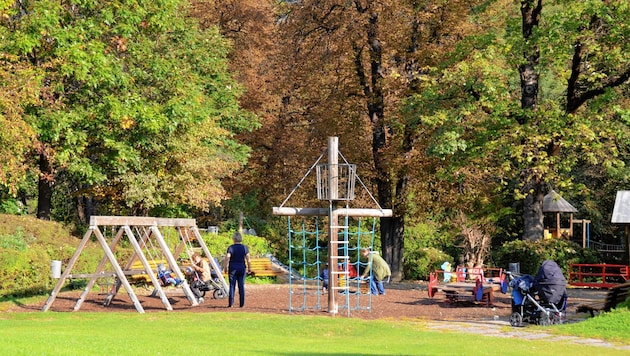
{"type": "Point", "coordinates": [200, 287]}
{"type": "Point", "coordinates": [539, 300]}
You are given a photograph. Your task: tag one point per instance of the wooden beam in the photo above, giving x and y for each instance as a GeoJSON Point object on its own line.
{"type": "Point", "coordinates": [145, 263]}
{"type": "Point", "coordinates": [173, 265]}
{"type": "Point", "coordinates": [214, 266]}
{"type": "Point", "coordinates": [139, 221]}
{"type": "Point", "coordinates": [353, 212]}
{"type": "Point", "coordinates": [99, 269]}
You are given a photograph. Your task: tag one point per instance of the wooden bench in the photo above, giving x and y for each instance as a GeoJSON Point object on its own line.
{"type": "Point", "coordinates": [262, 267]}
{"type": "Point", "coordinates": [141, 276]}
{"type": "Point", "coordinates": [615, 296]}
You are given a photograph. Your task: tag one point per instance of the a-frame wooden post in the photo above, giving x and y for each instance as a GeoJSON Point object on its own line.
{"type": "Point", "coordinates": [93, 230]}
{"type": "Point", "coordinates": [147, 267]}
{"type": "Point", "coordinates": [173, 265]}
{"type": "Point", "coordinates": [119, 272]}
{"type": "Point", "coordinates": [66, 271]}
{"type": "Point", "coordinates": [99, 270]}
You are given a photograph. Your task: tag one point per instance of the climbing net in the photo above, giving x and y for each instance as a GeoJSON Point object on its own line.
{"type": "Point", "coordinates": [308, 258]}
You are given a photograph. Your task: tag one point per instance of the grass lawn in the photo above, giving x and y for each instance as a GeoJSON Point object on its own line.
{"type": "Point", "coordinates": [167, 333]}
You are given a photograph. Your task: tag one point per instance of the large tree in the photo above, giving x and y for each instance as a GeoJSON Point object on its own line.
{"type": "Point", "coordinates": [136, 103]}
{"type": "Point", "coordinates": [341, 71]}
{"type": "Point", "coordinates": [591, 61]}
{"type": "Point", "coordinates": [531, 107]}
{"type": "Point", "coordinates": [19, 87]}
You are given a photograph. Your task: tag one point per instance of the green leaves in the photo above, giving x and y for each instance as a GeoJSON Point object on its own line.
{"type": "Point", "coordinates": [132, 94]}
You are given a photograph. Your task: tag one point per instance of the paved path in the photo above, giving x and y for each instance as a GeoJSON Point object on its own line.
{"type": "Point", "coordinates": [499, 328]}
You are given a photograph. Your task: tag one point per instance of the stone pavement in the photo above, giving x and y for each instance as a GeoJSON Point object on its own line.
{"type": "Point", "coordinates": [500, 328]}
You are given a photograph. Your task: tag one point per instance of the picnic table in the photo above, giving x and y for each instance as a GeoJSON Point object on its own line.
{"type": "Point", "coordinates": [480, 290]}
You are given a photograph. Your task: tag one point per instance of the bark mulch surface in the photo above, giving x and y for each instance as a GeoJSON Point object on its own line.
{"type": "Point", "coordinates": [401, 300]}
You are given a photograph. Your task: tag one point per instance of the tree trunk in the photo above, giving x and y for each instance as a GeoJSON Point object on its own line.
{"type": "Point", "coordinates": [46, 181]}
{"type": "Point", "coordinates": [391, 228]}
{"type": "Point", "coordinates": [85, 208]}
{"type": "Point", "coordinates": [533, 185]}
{"type": "Point", "coordinates": [533, 228]}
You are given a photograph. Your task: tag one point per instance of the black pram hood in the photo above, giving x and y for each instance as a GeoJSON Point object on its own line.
{"type": "Point", "coordinates": [550, 282]}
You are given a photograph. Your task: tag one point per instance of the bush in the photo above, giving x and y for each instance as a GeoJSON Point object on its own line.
{"type": "Point", "coordinates": [11, 206]}
{"type": "Point", "coordinates": [27, 247]}
{"type": "Point", "coordinates": [426, 248]}
{"type": "Point", "coordinates": [531, 254]}
{"type": "Point", "coordinates": [218, 243]}
{"type": "Point", "coordinates": [419, 263]}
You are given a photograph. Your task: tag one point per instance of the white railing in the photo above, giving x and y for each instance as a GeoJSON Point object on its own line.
{"type": "Point", "coordinates": [606, 247]}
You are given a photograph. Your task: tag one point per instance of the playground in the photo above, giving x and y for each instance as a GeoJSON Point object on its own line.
{"type": "Point", "coordinates": [310, 251]}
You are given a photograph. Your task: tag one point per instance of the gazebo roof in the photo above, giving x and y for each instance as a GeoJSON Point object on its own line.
{"type": "Point", "coordinates": [621, 211]}
{"type": "Point", "coordinates": [554, 203]}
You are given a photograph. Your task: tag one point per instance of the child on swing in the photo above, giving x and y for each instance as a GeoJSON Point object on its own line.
{"type": "Point", "coordinates": [166, 276]}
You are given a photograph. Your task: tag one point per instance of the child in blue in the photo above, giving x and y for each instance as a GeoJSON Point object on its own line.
{"type": "Point", "coordinates": [167, 276]}
{"type": "Point", "coordinates": [324, 277]}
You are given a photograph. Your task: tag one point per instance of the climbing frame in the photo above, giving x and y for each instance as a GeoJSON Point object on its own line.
{"type": "Point", "coordinates": [335, 184]}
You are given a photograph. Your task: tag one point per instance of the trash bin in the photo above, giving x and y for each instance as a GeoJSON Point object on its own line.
{"type": "Point", "coordinates": [515, 267]}
{"type": "Point", "coordinates": [55, 269]}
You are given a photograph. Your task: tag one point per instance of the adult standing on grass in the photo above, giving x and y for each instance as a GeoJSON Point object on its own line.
{"type": "Point", "coordinates": [380, 270]}
{"type": "Point", "coordinates": [237, 264]}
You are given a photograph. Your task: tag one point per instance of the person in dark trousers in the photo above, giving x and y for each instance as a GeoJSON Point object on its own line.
{"type": "Point", "coordinates": [237, 264]}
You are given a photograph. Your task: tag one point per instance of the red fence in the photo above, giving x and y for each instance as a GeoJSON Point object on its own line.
{"type": "Point", "coordinates": [598, 275]}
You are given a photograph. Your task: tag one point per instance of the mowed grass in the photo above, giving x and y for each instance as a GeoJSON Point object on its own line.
{"type": "Point", "coordinates": [182, 333]}
{"type": "Point", "coordinates": [613, 326]}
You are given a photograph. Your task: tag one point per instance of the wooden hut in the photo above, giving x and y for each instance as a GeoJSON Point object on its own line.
{"type": "Point", "coordinates": [553, 203]}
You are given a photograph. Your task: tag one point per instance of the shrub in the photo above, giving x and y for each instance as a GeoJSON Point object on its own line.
{"type": "Point", "coordinates": [27, 247]}
{"type": "Point", "coordinates": [531, 254]}
{"type": "Point", "coordinates": [426, 248]}
{"type": "Point", "coordinates": [11, 206]}
{"type": "Point", "coordinates": [218, 243]}
{"type": "Point", "coordinates": [419, 263]}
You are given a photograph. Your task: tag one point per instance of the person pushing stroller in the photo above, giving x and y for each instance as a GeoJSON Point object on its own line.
{"type": "Point", "coordinates": [201, 268]}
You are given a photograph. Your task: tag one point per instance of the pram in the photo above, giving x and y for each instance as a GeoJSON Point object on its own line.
{"type": "Point", "coordinates": [200, 287]}
{"type": "Point", "coordinates": [539, 300]}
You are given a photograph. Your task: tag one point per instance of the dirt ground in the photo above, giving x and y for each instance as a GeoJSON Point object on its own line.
{"type": "Point", "coordinates": [409, 301]}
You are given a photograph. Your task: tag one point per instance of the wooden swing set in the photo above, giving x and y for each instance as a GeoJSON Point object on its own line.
{"type": "Point", "coordinates": [142, 233]}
